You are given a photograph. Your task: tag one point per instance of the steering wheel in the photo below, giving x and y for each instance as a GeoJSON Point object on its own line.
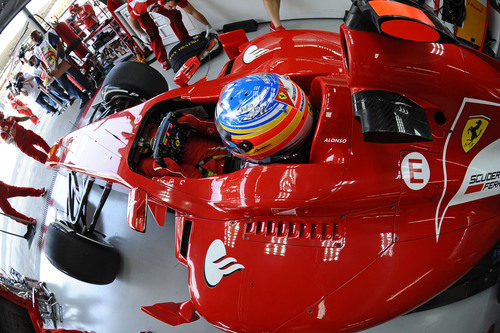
{"type": "Point", "coordinates": [170, 139]}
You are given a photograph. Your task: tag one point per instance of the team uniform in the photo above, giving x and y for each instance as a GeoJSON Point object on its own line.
{"type": "Point", "coordinates": [203, 156]}
{"type": "Point", "coordinates": [23, 109]}
{"type": "Point", "coordinates": [9, 191]}
{"type": "Point", "coordinates": [140, 9]}
{"type": "Point", "coordinates": [86, 12]}
{"type": "Point", "coordinates": [25, 140]}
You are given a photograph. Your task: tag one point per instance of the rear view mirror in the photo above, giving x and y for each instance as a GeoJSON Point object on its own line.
{"type": "Point", "coordinates": [404, 21]}
{"type": "Point", "coordinates": [137, 210]}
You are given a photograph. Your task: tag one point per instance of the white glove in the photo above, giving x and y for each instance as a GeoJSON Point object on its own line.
{"type": "Point", "coordinates": [145, 38]}
{"type": "Point", "coordinates": [209, 30]}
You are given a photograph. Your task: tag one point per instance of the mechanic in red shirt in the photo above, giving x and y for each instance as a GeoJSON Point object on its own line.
{"type": "Point", "coordinates": [203, 155]}
{"type": "Point", "coordinates": [25, 140]}
{"type": "Point", "coordinates": [9, 191]}
{"type": "Point", "coordinates": [86, 15]}
{"type": "Point", "coordinates": [22, 108]}
{"type": "Point", "coordinates": [141, 21]}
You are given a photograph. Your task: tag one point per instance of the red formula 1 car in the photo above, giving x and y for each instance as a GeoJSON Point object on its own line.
{"type": "Point", "coordinates": [396, 195]}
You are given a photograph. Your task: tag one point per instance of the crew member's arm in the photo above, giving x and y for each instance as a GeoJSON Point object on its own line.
{"type": "Point", "coordinates": [43, 88]}
{"type": "Point", "coordinates": [135, 24]}
{"type": "Point", "coordinates": [25, 80]}
{"type": "Point", "coordinates": [44, 66]}
{"type": "Point", "coordinates": [60, 49]}
{"type": "Point", "coordinates": [21, 119]}
{"type": "Point", "coordinates": [137, 27]}
{"type": "Point", "coordinates": [84, 17]}
{"type": "Point", "coordinates": [196, 14]}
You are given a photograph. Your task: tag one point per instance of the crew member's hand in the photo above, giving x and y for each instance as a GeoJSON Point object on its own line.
{"type": "Point", "coordinates": [145, 38]}
{"type": "Point", "coordinates": [209, 30]}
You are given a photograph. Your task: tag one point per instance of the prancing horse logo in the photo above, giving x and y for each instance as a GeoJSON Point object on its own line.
{"type": "Point", "coordinates": [216, 266]}
{"type": "Point", "coordinates": [473, 131]}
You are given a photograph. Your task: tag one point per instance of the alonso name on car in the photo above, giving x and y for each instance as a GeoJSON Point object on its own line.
{"type": "Point", "coordinates": [252, 53]}
{"type": "Point", "coordinates": [216, 266]}
{"type": "Point", "coordinates": [335, 140]}
{"type": "Point", "coordinates": [415, 171]}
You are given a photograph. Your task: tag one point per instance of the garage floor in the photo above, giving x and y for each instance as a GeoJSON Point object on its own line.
{"type": "Point", "coordinates": [150, 272]}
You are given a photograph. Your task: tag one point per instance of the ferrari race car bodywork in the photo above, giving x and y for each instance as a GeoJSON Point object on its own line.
{"type": "Point", "coordinates": [376, 220]}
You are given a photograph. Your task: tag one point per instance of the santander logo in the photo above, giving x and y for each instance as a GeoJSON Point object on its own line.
{"type": "Point", "coordinates": [217, 265]}
{"type": "Point", "coordinates": [252, 53]}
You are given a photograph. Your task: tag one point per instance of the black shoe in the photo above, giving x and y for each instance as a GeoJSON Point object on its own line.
{"type": "Point", "coordinates": [30, 231]}
{"type": "Point", "coordinates": [30, 234]}
{"type": "Point", "coordinates": [72, 100]}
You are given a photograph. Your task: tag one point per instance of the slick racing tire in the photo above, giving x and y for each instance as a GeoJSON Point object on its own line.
{"type": "Point", "coordinates": [133, 80]}
{"type": "Point", "coordinates": [85, 259]}
{"type": "Point", "coordinates": [190, 47]}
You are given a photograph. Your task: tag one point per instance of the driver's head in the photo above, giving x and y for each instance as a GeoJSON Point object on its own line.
{"type": "Point", "coordinates": [263, 117]}
{"type": "Point", "coordinates": [74, 8]}
{"type": "Point", "coordinates": [36, 37]}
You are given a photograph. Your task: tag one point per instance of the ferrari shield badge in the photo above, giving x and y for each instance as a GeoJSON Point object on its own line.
{"type": "Point", "coordinates": [473, 131]}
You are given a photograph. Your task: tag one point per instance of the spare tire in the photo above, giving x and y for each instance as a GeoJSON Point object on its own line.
{"type": "Point", "coordinates": [133, 79]}
{"type": "Point", "coordinates": [193, 46]}
{"type": "Point", "coordinates": [83, 258]}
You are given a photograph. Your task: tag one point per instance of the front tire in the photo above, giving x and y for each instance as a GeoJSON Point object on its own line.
{"type": "Point", "coordinates": [83, 258]}
{"type": "Point", "coordinates": [134, 79]}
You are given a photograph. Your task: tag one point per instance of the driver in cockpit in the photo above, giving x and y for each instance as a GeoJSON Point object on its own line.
{"type": "Point", "coordinates": [264, 118]}
{"type": "Point", "coordinates": [202, 155]}
{"type": "Point", "coordinates": [261, 118]}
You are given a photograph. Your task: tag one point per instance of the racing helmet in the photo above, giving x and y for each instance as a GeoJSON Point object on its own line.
{"type": "Point", "coordinates": [263, 118]}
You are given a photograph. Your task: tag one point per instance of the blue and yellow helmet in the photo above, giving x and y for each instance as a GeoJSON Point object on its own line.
{"type": "Point", "coordinates": [263, 117]}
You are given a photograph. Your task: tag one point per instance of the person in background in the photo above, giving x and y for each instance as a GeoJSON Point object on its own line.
{"type": "Point", "coordinates": [49, 52]}
{"type": "Point", "coordinates": [29, 87]}
{"type": "Point", "coordinates": [26, 140]}
{"type": "Point", "coordinates": [22, 108]}
{"type": "Point", "coordinates": [8, 191]}
{"type": "Point", "coordinates": [85, 15]}
{"type": "Point", "coordinates": [273, 10]}
{"type": "Point", "coordinates": [47, 83]}
{"type": "Point", "coordinates": [143, 24]}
